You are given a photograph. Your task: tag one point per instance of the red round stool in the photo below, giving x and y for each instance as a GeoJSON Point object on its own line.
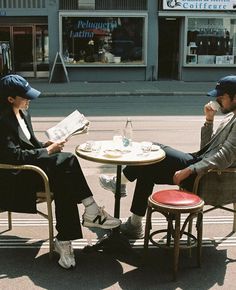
{"type": "Point", "coordinates": [173, 203]}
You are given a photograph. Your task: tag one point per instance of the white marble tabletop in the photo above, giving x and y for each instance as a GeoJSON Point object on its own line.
{"type": "Point", "coordinates": [107, 152]}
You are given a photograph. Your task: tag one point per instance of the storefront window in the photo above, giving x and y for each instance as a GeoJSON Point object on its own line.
{"type": "Point", "coordinates": [103, 40]}
{"type": "Point", "coordinates": [211, 41]}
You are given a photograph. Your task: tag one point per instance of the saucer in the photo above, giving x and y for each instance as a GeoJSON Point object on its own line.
{"type": "Point", "coordinates": [84, 148]}
{"type": "Point", "coordinates": [155, 147]}
{"type": "Point", "coordinates": [113, 153]}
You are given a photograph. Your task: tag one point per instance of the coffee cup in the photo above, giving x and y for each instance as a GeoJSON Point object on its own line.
{"type": "Point", "coordinates": [214, 105]}
{"type": "Point", "coordinates": [146, 146]}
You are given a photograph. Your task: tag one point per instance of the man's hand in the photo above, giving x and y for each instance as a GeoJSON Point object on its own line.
{"type": "Point", "coordinates": [180, 175]}
{"type": "Point", "coordinates": [209, 112]}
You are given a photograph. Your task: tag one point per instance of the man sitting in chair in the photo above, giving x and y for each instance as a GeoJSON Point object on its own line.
{"type": "Point", "coordinates": [19, 145]}
{"type": "Point", "coordinates": [218, 151]}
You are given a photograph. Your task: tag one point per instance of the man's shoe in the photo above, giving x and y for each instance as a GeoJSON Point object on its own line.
{"type": "Point", "coordinates": [131, 231]}
{"type": "Point", "coordinates": [109, 183]}
{"type": "Point", "coordinates": [65, 250]}
{"type": "Point", "coordinates": [101, 220]}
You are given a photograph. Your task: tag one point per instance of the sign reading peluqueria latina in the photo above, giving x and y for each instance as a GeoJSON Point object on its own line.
{"type": "Point", "coordinates": [213, 5]}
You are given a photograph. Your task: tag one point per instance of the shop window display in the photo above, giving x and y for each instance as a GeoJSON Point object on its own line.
{"type": "Point", "coordinates": [102, 40]}
{"type": "Point", "coordinates": [211, 41]}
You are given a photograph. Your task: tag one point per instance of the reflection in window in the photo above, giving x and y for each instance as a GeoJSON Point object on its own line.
{"type": "Point", "coordinates": [103, 40]}
{"type": "Point", "coordinates": [5, 51]}
{"type": "Point", "coordinates": [211, 41]}
{"type": "Point", "coordinates": [42, 47]}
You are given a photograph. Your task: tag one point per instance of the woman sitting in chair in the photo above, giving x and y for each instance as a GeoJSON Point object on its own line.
{"type": "Point", "coordinates": [18, 145]}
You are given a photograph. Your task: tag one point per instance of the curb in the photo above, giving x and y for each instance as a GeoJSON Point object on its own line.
{"type": "Point", "coordinates": [103, 94]}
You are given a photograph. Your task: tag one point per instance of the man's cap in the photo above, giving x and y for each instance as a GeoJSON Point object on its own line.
{"type": "Point", "coordinates": [15, 85]}
{"type": "Point", "coordinates": [224, 85]}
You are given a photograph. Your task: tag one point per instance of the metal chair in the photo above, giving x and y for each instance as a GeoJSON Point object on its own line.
{"type": "Point", "coordinates": [45, 196]}
{"type": "Point", "coordinates": [218, 188]}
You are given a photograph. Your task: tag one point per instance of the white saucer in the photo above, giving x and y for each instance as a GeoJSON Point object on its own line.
{"type": "Point", "coordinates": [155, 147]}
{"type": "Point", "coordinates": [112, 153]}
{"type": "Point", "coordinates": [82, 147]}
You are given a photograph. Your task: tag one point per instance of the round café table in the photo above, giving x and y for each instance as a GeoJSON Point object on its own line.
{"type": "Point", "coordinates": [106, 152]}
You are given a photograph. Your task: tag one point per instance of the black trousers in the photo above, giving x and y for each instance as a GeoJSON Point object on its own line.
{"type": "Point", "coordinates": [158, 173]}
{"type": "Point", "coordinates": [69, 186]}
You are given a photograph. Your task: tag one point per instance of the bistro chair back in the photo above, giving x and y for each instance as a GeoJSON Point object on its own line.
{"type": "Point", "coordinates": [218, 189]}
{"type": "Point", "coordinates": [45, 196]}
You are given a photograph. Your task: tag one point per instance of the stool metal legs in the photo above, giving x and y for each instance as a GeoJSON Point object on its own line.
{"type": "Point", "coordinates": [9, 220]}
{"type": "Point", "coordinates": [176, 245]}
{"type": "Point", "coordinates": [199, 237]}
{"type": "Point", "coordinates": [147, 229]}
{"type": "Point", "coordinates": [175, 232]}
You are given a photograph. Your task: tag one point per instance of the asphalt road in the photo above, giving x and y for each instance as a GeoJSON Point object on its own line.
{"type": "Point", "coordinates": [120, 105]}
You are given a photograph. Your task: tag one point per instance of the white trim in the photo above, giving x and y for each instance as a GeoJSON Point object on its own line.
{"type": "Point", "coordinates": [189, 13]}
{"type": "Point", "coordinates": [106, 65]}
{"type": "Point", "coordinates": [102, 13]}
{"type": "Point", "coordinates": [206, 5]}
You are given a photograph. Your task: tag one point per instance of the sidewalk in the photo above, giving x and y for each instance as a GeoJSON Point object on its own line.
{"type": "Point", "coordinates": [25, 263]}
{"type": "Point", "coordinates": [122, 88]}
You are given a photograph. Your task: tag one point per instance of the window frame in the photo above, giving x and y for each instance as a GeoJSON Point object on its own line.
{"type": "Point", "coordinates": [98, 14]}
{"type": "Point", "coordinates": [185, 50]}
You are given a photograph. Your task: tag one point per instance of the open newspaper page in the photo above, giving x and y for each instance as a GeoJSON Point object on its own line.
{"type": "Point", "coordinates": [75, 123]}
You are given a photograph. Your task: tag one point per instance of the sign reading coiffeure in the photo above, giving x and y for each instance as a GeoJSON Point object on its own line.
{"type": "Point", "coordinates": [220, 5]}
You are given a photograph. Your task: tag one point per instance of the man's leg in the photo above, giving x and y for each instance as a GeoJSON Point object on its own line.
{"type": "Point", "coordinates": [158, 173]}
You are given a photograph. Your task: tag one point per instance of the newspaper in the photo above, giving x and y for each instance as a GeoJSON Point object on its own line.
{"type": "Point", "coordinates": [75, 123]}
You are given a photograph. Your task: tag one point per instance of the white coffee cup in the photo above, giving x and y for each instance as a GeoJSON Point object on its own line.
{"type": "Point", "coordinates": [89, 145]}
{"type": "Point", "coordinates": [146, 146]}
{"type": "Point", "coordinates": [214, 105]}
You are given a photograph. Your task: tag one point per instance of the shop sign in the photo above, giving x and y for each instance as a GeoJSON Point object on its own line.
{"type": "Point", "coordinates": [213, 5]}
{"type": "Point", "coordinates": [3, 13]}
{"type": "Point", "coordinates": [85, 28]}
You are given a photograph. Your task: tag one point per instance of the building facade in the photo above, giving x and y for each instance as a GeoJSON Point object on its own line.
{"type": "Point", "coordinates": [118, 40]}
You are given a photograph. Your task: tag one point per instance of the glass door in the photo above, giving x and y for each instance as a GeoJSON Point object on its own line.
{"type": "Point", "coordinates": [23, 51]}
{"type": "Point", "coordinates": [30, 50]}
{"type": "Point", "coordinates": [168, 56]}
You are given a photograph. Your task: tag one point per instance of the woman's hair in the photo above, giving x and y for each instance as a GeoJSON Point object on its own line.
{"type": "Point", "coordinates": [4, 103]}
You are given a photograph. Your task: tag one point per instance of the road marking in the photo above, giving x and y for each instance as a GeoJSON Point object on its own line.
{"type": "Point", "coordinates": [22, 243]}
{"type": "Point", "coordinates": [7, 243]}
{"type": "Point", "coordinates": [155, 221]}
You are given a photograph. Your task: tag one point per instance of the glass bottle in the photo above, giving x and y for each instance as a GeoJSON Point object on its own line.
{"type": "Point", "coordinates": [128, 133]}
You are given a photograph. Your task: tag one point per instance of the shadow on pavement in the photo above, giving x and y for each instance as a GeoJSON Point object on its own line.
{"type": "Point", "coordinates": [107, 270]}
{"type": "Point", "coordinates": [94, 271]}
{"type": "Point", "coordinates": [156, 273]}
